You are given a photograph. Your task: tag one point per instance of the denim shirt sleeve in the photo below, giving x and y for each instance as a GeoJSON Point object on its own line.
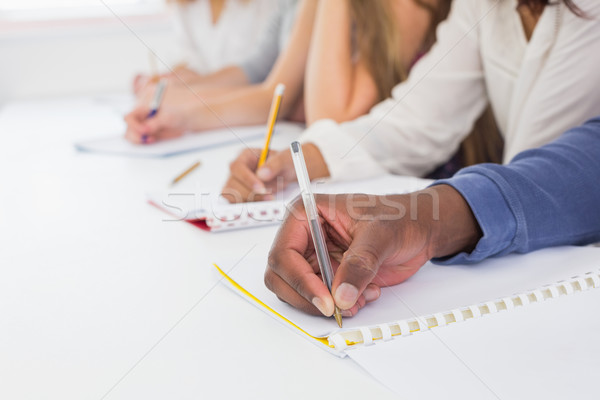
{"type": "Point", "coordinates": [548, 196]}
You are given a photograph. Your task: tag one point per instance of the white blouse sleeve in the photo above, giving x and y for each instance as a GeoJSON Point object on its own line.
{"type": "Point", "coordinates": [426, 118]}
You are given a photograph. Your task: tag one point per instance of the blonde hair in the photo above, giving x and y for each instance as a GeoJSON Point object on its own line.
{"type": "Point", "coordinates": [378, 39]}
{"type": "Point", "coordinates": [378, 43]}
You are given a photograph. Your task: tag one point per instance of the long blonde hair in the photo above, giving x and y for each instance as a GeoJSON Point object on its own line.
{"type": "Point", "coordinates": [378, 39]}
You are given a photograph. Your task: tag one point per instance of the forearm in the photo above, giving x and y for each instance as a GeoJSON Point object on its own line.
{"type": "Point", "coordinates": [246, 106]}
{"type": "Point", "coordinates": [227, 78]}
{"type": "Point", "coordinates": [545, 197]}
{"type": "Point", "coordinates": [336, 87]}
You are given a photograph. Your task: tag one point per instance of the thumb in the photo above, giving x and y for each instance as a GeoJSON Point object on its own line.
{"type": "Point", "coordinates": [358, 268]}
{"type": "Point", "coordinates": [272, 168]}
{"type": "Point", "coordinates": [153, 125]}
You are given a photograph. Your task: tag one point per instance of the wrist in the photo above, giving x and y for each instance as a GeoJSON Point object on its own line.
{"type": "Point", "coordinates": [315, 163]}
{"type": "Point", "coordinates": [194, 118]}
{"type": "Point", "coordinates": [454, 229]}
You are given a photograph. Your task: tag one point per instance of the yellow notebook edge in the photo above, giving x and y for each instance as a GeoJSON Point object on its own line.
{"type": "Point", "coordinates": [242, 290]}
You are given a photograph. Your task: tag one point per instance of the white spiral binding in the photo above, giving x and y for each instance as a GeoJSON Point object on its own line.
{"type": "Point", "coordinates": [458, 315]}
{"type": "Point", "coordinates": [475, 310]}
{"type": "Point", "coordinates": [338, 341]}
{"type": "Point", "coordinates": [568, 287]}
{"type": "Point", "coordinates": [509, 303]}
{"type": "Point", "coordinates": [255, 214]}
{"type": "Point", "coordinates": [582, 283]}
{"type": "Point", "coordinates": [386, 332]}
{"type": "Point", "coordinates": [440, 319]}
{"type": "Point", "coordinates": [422, 323]}
{"type": "Point", "coordinates": [562, 288]}
{"type": "Point", "coordinates": [538, 295]}
{"type": "Point", "coordinates": [595, 279]}
{"type": "Point", "coordinates": [367, 336]}
{"type": "Point", "coordinates": [491, 305]}
{"type": "Point", "coordinates": [554, 291]}
{"type": "Point", "coordinates": [524, 299]}
{"type": "Point", "coordinates": [404, 328]}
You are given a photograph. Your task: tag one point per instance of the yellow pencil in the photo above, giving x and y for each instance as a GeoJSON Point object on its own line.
{"type": "Point", "coordinates": [186, 172]}
{"type": "Point", "coordinates": [277, 97]}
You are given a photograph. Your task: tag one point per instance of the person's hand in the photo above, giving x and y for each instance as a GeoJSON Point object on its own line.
{"type": "Point", "coordinates": [140, 81]}
{"type": "Point", "coordinates": [246, 183]}
{"type": "Point", "coordinates": [373, 241]}
{"type": "Point", "coordinates": [174, 117]}
{"type": "Point", "coordinates": [179, 75]}
{"type": "Point", "coordinates": [168, 123]}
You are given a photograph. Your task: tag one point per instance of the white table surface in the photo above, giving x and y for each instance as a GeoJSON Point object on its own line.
{"type": "Point", "coordinates": [102, 299]}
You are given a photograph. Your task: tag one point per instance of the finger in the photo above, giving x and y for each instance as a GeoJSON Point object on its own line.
{"type": "Point", "coordinates": [133, 136]}
{"type": "Point", "coordinates": [242, 169]}
{"type": "Point", "coordinates": [235, 191]}
{"type": "Point", "coordinates": [278, 165]}
{"type": "Point", "coordinates": [153, 126]}
{"type": "Point", "coordinates": [135, 124]}
{"type": "Point", "coordinates": [299, 276]}
{"type": "Point", "coordinates": [288, 295]}
{"type": "Point", "coordinates": [371, 293]}
{"type": "Point", "coordinates": [358, 267]}
{"type": "Point", "coordinates": [287, 258]}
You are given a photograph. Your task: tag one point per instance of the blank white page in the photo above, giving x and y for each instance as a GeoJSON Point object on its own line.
{"type": "Point", "coordinates": [543, 350]}
{"type": "Point", "coordinates": [117, 144]}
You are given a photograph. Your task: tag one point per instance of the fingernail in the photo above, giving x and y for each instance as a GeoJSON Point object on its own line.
{"type": "Point", "coordinates": [371, 293]}
{"type": "Point", "coordinates": [346, 313]}
{"type": "Point", "coordinates": [144, 138]}
{"type": "Point", "coordinates": [346, 295]}
{"type": "Point", "coordinates": [264, 174]}
{"type": "Point", "coordinates": [268, 197]}
{"type": "Point", "coordinates": [259, 189]}
{"type": "Point", "coordinates": [320, 304]}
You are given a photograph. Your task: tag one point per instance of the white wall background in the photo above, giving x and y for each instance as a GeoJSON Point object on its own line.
{"type": "Point", "coordinates": [92, 56]}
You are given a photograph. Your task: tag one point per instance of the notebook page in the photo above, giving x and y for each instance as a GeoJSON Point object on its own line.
{"type": "Point", "coordinates": [192, 201]}
{"type": "Point", "coordinates": [118, 145]}
{"type": "Point", "coordinates": [546, 350]}
{"type": "Point", "coordinates": [434, 288]}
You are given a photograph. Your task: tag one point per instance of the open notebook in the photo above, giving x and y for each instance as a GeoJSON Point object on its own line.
{"type": "Point", "coordinates": [206, 210]}
{"type": "Point", "coordinates": [118, 145]}
{"type": "Point", "coordinates": [546, 350]}
{"type": "Point", "coordinates": [435, 296]}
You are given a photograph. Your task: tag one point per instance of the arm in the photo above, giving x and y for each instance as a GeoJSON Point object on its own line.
{"type": "Point", "coordinates": [251, 105]}
{"type": "Point", "coordinates": [225, 78]}
{"type": "Point", "coordinates": [418, 128]}
{"type": "Point", "coordinates": [244, 106]}
{"type": "Point", "coordinates": [544, 197]}
{"type": "Point", "coordinates": [337, 87]}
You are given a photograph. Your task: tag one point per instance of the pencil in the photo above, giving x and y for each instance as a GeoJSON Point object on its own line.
{"type": "Point", "coordinates": [186, 172]}
{"type": "Point", "coordinates": [154, 76]}
{"type": "Point", "coordinates": [277, 97]}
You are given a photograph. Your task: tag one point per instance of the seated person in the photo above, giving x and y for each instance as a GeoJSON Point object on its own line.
{"type": "Point", "coordinates": [345, 74]}
{"type": "Point", "coordinates": [210, 35]}
{"type": "Point", "coordinates": [535, 64]}
{"type": "Point", "coordinates": [545, 197]}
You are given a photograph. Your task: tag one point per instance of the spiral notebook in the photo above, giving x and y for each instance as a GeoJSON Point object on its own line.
{"type": "Point", "coordinates": [434, 297]}
{"type": "Point", "coordinates": [209, 212]}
